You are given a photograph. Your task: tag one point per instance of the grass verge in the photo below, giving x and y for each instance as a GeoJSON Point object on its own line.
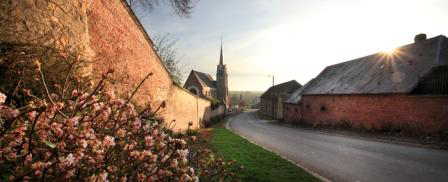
{"type": "Point", "coordinates": [259, 164]}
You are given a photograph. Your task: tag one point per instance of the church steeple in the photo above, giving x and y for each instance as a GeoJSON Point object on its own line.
{"type": "Point", "coordinates": [220, 57]}
{"type": "Point", "coordinates": [222, 89]}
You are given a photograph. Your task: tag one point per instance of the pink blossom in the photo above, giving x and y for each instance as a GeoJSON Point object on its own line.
{"type": "Point", "coordinates": [29, 158]}
{"type": "Point", "coordinates": [83, 143]}
{"type": "Point", "coordinates": [31, 115]}
{"type": "Point", "coordinates": [70, 173]}
{"type": "Point", "coordinates": [118, 102]}
{"type": "Point", "coordinates": [72, 122]}
{"type": "Point", "coordinates": [109, 141]}
{"type": "Point", "coordinates": [112, 169]}
{"type": "Point", "coordinates": [135, 125]}
{"type": "Point", "coordinates": [37, 165]}
{"type": "Point", "coordinates": [57, 129]}
{"type": "Point", "coordinates": [174, 163]}
{"type": "Point", "coordinates": [149, 141]}
{"type": "Point", "coordinates": [2, 98]}
{"type": "Point", "coordinates": [75, 93]}
{"type": "Point", "coordinates": [146, 153]}
{"type": "Point", "coordinates": [103, 176]}
{"type": "Point", "coordinates": [123, 179]}
{"type": "Point", "coordinates": [38, 172]}
{"type": "Point", "coordinates": [68, 161]}
{"type": "Point", "coordinates": [121, 133]}
{"type": "Point", "coordinates": [183, 153]}
{"type": "Point", "coordinates": [109, 93]}
{"type": "Point", "coordinates": [7, 112]}
{"type": "Point", "coordinates": [135, 154]}
{"type": "Point", "coordinates": [54, 96]}
{"type": "Point", "coordinates": [141, 176]}
{"type": "Point", "coordinates": [43, 134]}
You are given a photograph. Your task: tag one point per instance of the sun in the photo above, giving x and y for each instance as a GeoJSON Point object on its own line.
{"type": "Point", "coordinates": [389, 51]}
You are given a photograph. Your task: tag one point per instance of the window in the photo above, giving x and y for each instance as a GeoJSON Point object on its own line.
{"type": "Point", "coordinates": [323, 108]}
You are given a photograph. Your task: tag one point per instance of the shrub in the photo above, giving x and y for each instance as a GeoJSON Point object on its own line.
{"type": "Point", "coordinates": [85, 132]}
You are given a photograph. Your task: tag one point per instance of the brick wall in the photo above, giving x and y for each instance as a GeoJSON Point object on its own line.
{"type": "Point", "coordinates": [107, 35]}
{"type": "Point", "coordinates": [120, 43]}
{"type": "Point", "coordinates": [292, 112]}
{"type": "Point", "coordinates": [427, 114]}
{"type": "Point", "coordinates": [184, 107]}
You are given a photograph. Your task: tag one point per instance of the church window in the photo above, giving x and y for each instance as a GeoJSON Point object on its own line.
{"type": "Point", "coordinates": [193, 91]}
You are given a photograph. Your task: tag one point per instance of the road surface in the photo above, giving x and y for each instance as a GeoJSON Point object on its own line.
{"type": "Point", "coordinates": [343, 158]}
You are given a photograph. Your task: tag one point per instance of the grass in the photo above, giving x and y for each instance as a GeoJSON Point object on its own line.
{"type": "Point", "coordinates": [259, 164]}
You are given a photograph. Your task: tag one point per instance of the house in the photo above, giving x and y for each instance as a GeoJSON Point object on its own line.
{"type": "Point", "coordinates": [204, 86]}
{"type": "Point", "coordinates": [405, 90]}
{"type": "Point", "coordinates": [271, 101]}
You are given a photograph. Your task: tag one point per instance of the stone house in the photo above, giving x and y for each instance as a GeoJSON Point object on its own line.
{"type": "Point", "coordinates": [403, 90]}
{"type": "Point", "coordinates": [271, 101]}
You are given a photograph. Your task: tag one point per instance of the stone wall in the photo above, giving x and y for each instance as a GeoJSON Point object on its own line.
{"type": "Point", "coordinates": [58, 24]}
{"type": "Point", "coordinates": [423, 114]}
{"type": "Point", "coordinates": [271, 108]}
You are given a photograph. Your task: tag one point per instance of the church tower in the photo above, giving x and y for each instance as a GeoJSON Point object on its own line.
{"type": "Point", "coordinates": [221, 82]}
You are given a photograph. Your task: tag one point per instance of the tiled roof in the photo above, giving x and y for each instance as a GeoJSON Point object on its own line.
{"type": "Point", "coordinates": [205, 79]}
{"type": "Point", "coordinates": [296, 96]}
{"type": "Point", "coordinates": [281, 89]}
{"type": "Point", "coordinates": [382, 73]}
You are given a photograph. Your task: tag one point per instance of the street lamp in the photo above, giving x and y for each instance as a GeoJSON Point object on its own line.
{"type": "Point", "coordinates": [272, 79]}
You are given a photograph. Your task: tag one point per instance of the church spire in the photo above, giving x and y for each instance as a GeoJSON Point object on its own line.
{"type": "Point", "coordinates": [220, 57]}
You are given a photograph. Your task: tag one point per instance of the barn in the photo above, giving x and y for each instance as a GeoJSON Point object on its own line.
{"type": "Point", "coordinates": [403, 90]}
{"type": "Point", "coordinates": [271, 101]}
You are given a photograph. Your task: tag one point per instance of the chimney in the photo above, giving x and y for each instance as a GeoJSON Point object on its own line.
{"type": "Point", "coordinates": [419, 38]}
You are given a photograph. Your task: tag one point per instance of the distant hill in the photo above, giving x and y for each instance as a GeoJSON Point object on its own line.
{"type": "Point", "coordinates": [250, 97]}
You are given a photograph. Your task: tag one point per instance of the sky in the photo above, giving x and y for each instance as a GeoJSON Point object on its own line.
{"type": "Point", "coordinates": [290, 39]}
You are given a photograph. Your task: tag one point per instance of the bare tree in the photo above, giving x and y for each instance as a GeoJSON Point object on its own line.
{"type": "Point", "coordinates": [181, 7]}
{"type": "Point", "coordinates": [165, 47]}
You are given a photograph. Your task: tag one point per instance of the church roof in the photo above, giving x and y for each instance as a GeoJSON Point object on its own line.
{"type": "Point", "coordinates": [206, 80]}
{"type": "Point", "coordinates": [383, 73]}
{"type": "Point", "coordinates": [281, 90]}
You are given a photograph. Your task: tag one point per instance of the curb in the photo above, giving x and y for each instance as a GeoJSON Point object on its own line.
{"type": "Point", "coordinates": [321, 178]}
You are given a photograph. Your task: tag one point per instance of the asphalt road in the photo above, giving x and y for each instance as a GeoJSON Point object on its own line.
{"type": "Point", "coordinates": [344, 158]}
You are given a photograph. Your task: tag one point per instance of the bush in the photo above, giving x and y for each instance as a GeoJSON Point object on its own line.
{"type": "Point", "coordinates": [83, 132]}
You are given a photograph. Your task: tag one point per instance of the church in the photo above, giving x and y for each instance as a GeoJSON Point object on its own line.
{"type": "Point", "coordinates": [204, 86]}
